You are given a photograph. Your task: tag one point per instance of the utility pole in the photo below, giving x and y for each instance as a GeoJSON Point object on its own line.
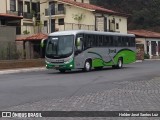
{"type": "Point", "coordinates": [49, 13]}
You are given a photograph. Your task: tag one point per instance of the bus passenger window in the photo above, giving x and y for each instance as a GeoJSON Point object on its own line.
{"type": "Point", "coordinates": [79, 43]}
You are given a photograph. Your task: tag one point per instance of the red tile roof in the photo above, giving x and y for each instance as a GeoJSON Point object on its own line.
{"type": "Point", "coordinates": [10, 16]}
{"type": "Point", "coordinates": [145, 33]}
{"type": "Point", "coordinates": [92, 7]}
{"type": "Point", "coordinates": [38, 36]}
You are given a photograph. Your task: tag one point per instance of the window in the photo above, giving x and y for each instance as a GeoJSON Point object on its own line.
{"type": "Point", "coordinates": [60, 7]}
{"type": "Point", "coordinates": [13, 5]}
{"type": "Point", "coordinates": [28, 7]}
{"type": "Point", "coordinates": [60, 21]}
{"type": "Point", "coordinates": [46, 26]}
{"type": "Point", "coordinates": [117, 25]}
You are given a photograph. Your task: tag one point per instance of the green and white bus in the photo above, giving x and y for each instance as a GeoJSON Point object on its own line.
{"type": "Point", "coordinates": [81, 49]}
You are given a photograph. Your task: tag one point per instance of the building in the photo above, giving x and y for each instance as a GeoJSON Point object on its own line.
{"type": "Point", "coordinates": [79, 14]}
{"type": "Point", "coordinates": [150, 40]}
{"type": "Point", "coordinates": [12, 10]}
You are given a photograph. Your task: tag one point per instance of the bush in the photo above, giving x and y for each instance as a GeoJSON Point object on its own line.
{"type": "Point", "coordinates": [146, 56]}
{"type": "Point", "coordinates": [26, 32]}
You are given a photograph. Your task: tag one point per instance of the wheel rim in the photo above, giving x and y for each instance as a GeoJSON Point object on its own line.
{"type": "Point", "coordinates": [87, 66]}
{"type": "Point", "coordinates": [120, 64]}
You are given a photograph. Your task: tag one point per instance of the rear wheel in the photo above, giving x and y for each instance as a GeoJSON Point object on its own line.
{"type": "Point", "coordinates": [119, 64]}
{"type": "Point", "coordinates": [62, 70]}
{"type": "Point", "coordinates": [87, 66]}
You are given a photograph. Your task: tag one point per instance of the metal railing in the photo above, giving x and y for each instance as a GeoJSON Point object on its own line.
{"type": "Point", "coordinates": [45, 29]}
{"type": "Point", "coordinates": [27, 15]}
{"type": "Point", "coordinates": [55, 12]}
{"type": "Point", "coordinates": [20, 13]}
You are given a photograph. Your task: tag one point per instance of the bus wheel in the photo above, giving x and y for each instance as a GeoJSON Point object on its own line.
{"type": "Point", "coordinates": [62, 70]}
{"type": "Point", "coordinates": [87, 66]}
{"type": "Point", "coordinates": [119, 64]}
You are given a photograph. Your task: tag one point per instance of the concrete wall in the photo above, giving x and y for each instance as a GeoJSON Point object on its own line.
{"type": "Point", "coordinates": [122, 21]}
{"type": "Point", "coordinates": [3, 6]}
{"type": "Point", "coordinates": [7, 43]}
{"type": "Point", "coordinates": [7, 33]}
{"type": "Point", "coordinates": [71, 11]}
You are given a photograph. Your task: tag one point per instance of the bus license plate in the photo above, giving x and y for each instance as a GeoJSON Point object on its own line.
{"type": "Point", "coordinates": [56, 66]}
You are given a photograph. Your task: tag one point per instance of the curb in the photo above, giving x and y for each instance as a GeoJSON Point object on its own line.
{"type": "Point", "coordinates": [151, 59]}
{"type": "Point", "coordinates": [20, 70]}
{"type": "Point", "coordinates": [139, 61]}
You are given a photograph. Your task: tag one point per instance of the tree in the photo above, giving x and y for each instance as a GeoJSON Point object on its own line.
{"type": "Point", "coordinates": [78, 18]}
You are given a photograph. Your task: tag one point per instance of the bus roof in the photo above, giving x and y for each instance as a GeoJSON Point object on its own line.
{"type": "Point", "coordinates": [74, 32]}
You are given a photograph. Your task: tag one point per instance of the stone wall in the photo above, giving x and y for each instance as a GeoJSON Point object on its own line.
{"type": "Point", "coordinates": [12, 64]}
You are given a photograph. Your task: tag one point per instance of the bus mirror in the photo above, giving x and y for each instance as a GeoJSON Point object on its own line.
{"type": "Point", "coordinates": [43, 41]}
{"type": "Point", "coordinates": [78, 43]}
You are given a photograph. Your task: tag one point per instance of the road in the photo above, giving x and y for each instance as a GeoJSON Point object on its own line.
{"type": "Point", "coordinates": [135, 87]}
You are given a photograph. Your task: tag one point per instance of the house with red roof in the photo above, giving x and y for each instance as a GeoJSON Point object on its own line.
{"type": "Point", "coordinates": [79, 14]}
{"type": "Point", "coordinates": [150, 40]}
{"type": "Point", "coordinates": [21, 14]}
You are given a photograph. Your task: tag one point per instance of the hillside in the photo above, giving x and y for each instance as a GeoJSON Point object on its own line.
{"type": "Point", "coordinates": [144, 13]}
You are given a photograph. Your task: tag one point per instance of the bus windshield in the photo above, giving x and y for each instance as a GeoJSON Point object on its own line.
{"type": "Point", "coordinates": [60, 46]}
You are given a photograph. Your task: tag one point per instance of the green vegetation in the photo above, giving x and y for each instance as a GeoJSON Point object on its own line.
{"type": "Point", "coordinates": [144, 13]}
{"type": "Point", "coordinates": [26, 32]}
{"type": "Point", "coordinates": [146, 56]}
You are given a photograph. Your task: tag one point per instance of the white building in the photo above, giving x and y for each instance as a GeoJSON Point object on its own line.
{"type": "Point", "coordinates": [79, 14]}
{"type": "Point", "coordinates": [150, 40]}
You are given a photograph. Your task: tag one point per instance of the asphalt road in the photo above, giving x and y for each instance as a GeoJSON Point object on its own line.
{"type": "Point", "coordinates": [41, 87]}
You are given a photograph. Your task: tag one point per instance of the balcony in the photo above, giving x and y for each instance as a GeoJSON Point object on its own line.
{"type": "Point", "coordinates": [27, 15]}
{"type": "Point", "coordinates": [56, 12]}
{"type": "Point", "coordinates": [12, 12]}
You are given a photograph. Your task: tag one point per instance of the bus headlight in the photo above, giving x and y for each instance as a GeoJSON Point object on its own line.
{"type": "Point", "coordinates": [71, 66]}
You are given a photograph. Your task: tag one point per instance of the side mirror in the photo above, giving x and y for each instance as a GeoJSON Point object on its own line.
{"type": "Point", "coordinates": [79, 44]}
{"type": "Point", "coordinates": [43, 42]}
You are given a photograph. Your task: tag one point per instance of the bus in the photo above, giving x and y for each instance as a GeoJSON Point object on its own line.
{"type": "Point", "coordinates": [82, 49]}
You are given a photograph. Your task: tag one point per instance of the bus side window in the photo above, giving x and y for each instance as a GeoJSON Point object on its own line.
{"type": "Point", "coordinates": [106, 40]}
{"type": "Point", "coordinates": [111, 41]}
{"type": "Point", "coordinates": [123, 42]}
{"type": "Point", "coordinates": [132, 41]}
{"type": "Point", "coordinates": [100, 41]}
{"type": "Point", "coordinates": [94, 40]}
{"type": "Point", "coordinates": [115, 39]}
{"type": "Point", "coordinates": [127, 41]}
{"type": "Point", "coordinates": [119, 41]}
{"type": "Point", "coordinates": [87, 42]}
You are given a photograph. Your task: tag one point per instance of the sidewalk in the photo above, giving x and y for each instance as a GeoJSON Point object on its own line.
{"type": "Point", "coordinates": [19, 70]}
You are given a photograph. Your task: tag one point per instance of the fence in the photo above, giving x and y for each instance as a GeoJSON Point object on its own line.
{"type": "Point", "coordinates": [8, 50]}
{"type": "Point", "coordinates": [45, 28]}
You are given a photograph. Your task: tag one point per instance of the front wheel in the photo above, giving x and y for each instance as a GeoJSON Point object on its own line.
{"type": "Point", "coordinates": [87, 66]}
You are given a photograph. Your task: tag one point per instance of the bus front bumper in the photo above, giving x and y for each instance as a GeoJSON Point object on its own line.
{"type": "Point", "coordinates": [67, 66]}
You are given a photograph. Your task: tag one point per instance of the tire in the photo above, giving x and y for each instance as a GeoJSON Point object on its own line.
{"type": "Point", "coordinates": [119, 64]}
{"type": "Point", "coordinates": [62, 70]}
{"type": "Point", "coordinates": [87, 66]}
